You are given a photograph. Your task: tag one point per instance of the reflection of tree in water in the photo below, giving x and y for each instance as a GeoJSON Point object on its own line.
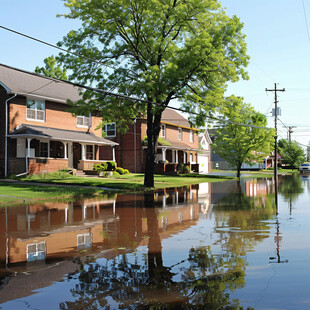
{"type": "Point", "coordinates": [244, 222]}
{"type": "Point", "coordinates": [203, 280]}
{"type": "Point", "coordinates": [290, 187]}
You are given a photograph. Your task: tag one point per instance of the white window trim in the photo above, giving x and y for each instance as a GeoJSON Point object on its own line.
{"type": "Point", "coordinates": [85, 235]}
{"type": "Point", "coordinates": [36, 253]}
{"type": "Point", "coordinates": [35, 119]}
{"type": "Point", "coordinates": [106, 131]}
{"type": "Point", "coordinates": [180, 133]}
{"type": "Point", "coordinates": [191, 136]}
{"type": "Point", "coordinates": [163, 130]}
{"type": "Point", "coordinates": [83, 117]}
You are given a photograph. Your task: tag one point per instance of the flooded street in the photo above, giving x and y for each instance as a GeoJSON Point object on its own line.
{"type": "Point", "coordinates": [208, 246]}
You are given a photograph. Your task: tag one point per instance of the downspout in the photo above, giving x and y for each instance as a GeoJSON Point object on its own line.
{"type": "Point", "coordinates": [6, 136]}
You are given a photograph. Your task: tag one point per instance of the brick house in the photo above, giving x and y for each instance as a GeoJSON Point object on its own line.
{"type": "Point", "coordinates": [38, 133]}
{"type": "Point", "coordinates": [177, 143]}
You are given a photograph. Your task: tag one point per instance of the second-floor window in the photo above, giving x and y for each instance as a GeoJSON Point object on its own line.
{"type": "Point", "coordinates": [110, 129]}
{"type": "Point", "coordinates": [191, 136]}
{"type": "Point", "coordinates": [163, 130]}
{"type": "Point", "coordinates": [180, 133]}
{"type": "Point", "coordinates": [35, 110]}
{"type": "Point", "coordinates": [83, 121]}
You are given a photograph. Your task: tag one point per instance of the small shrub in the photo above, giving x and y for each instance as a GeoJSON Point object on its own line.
{"type": "Point", "coordinates": [126, 171]}
{"type": "Point", "coordinates": [100, 167]}
{"type": "Point", "coordinates": [111, 165]}
{"type": "Point", "coordinates": [120, 170]}
{"type": "Point", "coordinates": [181, 168]}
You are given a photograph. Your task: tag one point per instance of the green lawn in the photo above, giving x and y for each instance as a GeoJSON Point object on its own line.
{"type": "Point", "coordinates": [49, 186]}
{"type": "Point", "coordinates": [22, 192]}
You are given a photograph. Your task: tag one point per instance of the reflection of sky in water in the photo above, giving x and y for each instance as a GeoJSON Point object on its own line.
{"type": "Point", "coordinates": [269, 284]}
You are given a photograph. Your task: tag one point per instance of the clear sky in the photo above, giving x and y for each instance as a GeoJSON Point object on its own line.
{"type": "Point", "coordinates": [278, 43]}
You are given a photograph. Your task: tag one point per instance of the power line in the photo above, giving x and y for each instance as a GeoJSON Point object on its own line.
{"type": "Point", "coordinates": [113, 94]}
{"type": "Point", "coordinates": [57, 47]}
{"type": "Point", "coordinates": [306, 20]}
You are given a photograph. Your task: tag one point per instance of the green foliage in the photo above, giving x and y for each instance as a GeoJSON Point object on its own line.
{"type": "Point", "coordinates": [182, 168]}
{"type": "Point", "coordinates": [111, 165]}
{"type": "Point", "coordinates": [242, 144]}
{"type": "Point", "coordinates": [291, 153]}
{"type": "Point", "coordinates": [52, 69]}
{"type": "Point", "coordinates": [121, 171]}
{"type": "Point", "coordinates": [101, 167]}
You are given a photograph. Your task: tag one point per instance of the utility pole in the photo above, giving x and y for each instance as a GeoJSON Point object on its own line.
{"type": "Point", "coordinates": [275, 90]}
{"type": "Point", "coordinates": [290, 131]}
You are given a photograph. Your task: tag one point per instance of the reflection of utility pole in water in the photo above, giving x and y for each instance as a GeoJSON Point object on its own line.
{"type": "Point", "coordinates": [278, 238]}
{"type": "Point", "coordinates": [275, 90]}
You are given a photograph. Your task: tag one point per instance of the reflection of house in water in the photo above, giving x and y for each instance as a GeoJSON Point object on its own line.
{"type": "Point", "coordinates": [204, 198]}
{"type": "Point", "coordinates": [255, 188]}
{"type": "Point", "coordinates": [42, 239]}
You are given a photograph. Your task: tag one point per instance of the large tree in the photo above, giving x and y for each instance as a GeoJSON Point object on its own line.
{"type": "Point", "coordinates": [242, 135]}
{"type": "Point", "coordinates": [155, 50]}
{"type": "Point", "coordinates": [291, 153]}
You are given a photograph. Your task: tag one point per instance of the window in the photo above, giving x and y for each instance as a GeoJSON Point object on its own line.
{"type": "Point", "coordinates": [83, 121]}
{"type": "Point", "coordinates": [35, 110]}
{"type": "Point", "coordinates": [84, 241]}
{"type": "Point", "coordinates": [180, 133]}
{"type": "Point", "coordinates": [36, 251]}
{"type": "Point", "coordinates": [89, 152]}
{"type": "Point", "coordinates": [191, 136]}
{"type": "Point", "coordinates": [163, 130]}
{"type": "Point", "coordinates": [110, 129]}
{"type": "Point", "coordinates": [43, 149]}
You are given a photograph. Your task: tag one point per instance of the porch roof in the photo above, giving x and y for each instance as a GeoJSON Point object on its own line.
{"type": "Point", "coordinates": [176, 145]}
{"type": "Point", "coordinates": [33, 131]}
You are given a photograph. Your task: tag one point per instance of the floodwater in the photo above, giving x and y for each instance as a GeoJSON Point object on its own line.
{"type": "Point", "coordinates": [209, 246]}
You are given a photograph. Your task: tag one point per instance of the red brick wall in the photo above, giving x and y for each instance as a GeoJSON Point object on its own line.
{"type": "Point", "coordinates": [47, 165]}
{"type": "Point", "coordinates": [56, 116]}
{"type": "Point", "coordinates": [16, 166]}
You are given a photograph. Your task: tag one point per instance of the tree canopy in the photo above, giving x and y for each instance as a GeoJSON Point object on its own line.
{"type": "Point", "coordinates": [52, 69]}
{"type": "Point", "coordinates": [239, 144]}
{"type": "Point", "coordinates": [158, 51]}
{"type": "Point", "coordinates": [291, 153]}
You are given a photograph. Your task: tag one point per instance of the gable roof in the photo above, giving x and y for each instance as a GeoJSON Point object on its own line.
{"type": "Point", "coordinates": [26, 83]}
{"type": "Point", "coordinates": [172, 117]}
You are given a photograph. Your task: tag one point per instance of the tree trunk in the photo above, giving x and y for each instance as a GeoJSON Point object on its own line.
{"type": "Point", "coordinates": [153, 128]}
{"type": "Point", "coordinates": [238, 170]}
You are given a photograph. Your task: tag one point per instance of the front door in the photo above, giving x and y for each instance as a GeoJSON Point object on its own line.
{"type": "Point", "coordinates": [77, 150]}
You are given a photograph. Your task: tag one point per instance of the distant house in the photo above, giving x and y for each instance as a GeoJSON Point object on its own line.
{"type": "Point", "coordinates": [204, 155]}
{"type": "Point", "coordinates": [37, 132]}
{"type": "Point", "coordinates": [177, 144]}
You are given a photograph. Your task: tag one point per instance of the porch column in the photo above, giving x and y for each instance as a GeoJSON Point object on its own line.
{"type": "Point", "coordinates": [83, 152]}
{"type": "Point", "coordinates": [48, 149]}
{"type": "Point", "coordinates": [176, 156]}
{"type": "Point", "coordinates": [66, 150]}
{"type": "Point", "coordinates": [164, 154]}
{"type": "Point", "coordinates": [28, 153]}
{"type": "Point", "coordinates": [184, 157]}
{"type": "Point", "coordinates": [94, 155]}
{"type": "Point", "coordinates": [113, 152]}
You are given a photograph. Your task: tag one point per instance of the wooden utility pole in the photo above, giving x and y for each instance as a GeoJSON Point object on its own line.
{"type": "Point", "coordinates": [275, 90]}
{"type": "Point", "coordinates": [290, 131]}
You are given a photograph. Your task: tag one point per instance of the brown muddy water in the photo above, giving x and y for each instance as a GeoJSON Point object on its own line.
{"type": "Point", "coordinates": [208, 246]}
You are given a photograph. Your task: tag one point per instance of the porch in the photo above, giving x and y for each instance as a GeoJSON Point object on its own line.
{"type": "Point", "coordinates": [168, 159]}
{"type": "Point", "coordinates": [46, 150]}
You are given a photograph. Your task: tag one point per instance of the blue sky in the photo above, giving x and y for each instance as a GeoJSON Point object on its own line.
{"type": "Point", "coordinates": [277, 39]}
